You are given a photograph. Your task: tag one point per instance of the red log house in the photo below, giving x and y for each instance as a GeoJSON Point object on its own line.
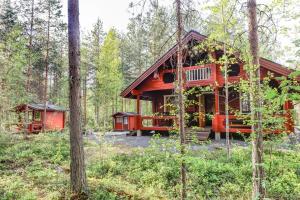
{"type": "Point", "coordinates": [54, 120]}
{"type": "Point", "coordinates": [156, 84]}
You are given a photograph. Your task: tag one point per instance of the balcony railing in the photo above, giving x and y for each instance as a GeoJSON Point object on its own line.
{"type": "Point", "coordinates": [198, 74]}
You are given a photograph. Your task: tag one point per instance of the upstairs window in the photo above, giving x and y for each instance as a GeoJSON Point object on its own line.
{"type": "Point", "coordinates": [168, 77]}
{"type": "Point", "coordinates": [234, 70]}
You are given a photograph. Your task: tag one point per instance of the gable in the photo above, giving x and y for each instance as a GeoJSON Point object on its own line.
{"type": "Point", "coordinates": [193, 35]}
{"type": "Point", "coordinates": [188, 37]}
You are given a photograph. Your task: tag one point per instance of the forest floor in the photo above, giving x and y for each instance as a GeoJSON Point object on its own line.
{"type": "Point", "coordinates": [130, 167]}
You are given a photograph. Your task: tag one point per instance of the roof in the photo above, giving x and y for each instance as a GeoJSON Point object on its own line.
{"type": "Point", "coordinates": [188, 37]}
{"type": "Point", "coordinates": [40, 106]}
{"type": "Point", "coordinates": [268, 64]}
{"type": "Point", "coordinates": [125, 114]}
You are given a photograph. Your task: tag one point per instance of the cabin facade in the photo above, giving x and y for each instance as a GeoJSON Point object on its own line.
{"type": "Point", "coordinates": [54, 120]}
{"type": "Point", "coordinates": [157, 84]}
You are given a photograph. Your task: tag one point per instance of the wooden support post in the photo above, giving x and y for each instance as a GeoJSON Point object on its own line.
{"type": "Point", "coordinates": [216, 115]}
{"type": "Point", "coordinates": [138, 105]}
{"type": "Point", "coordinates": [217, 136]}
{"type": "Point", "coordinates": [138, 110]}
{"type": "Point", "coordinates": [289, 123]}
{"type": "Point", "coordinates": [217, 104]}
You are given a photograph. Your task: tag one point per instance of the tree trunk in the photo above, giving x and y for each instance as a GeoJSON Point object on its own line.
{"type": "Point", "coordinates": [85, 101]}
{"type": "Point", "coordinates": [258, 191]}
{"type": "Point", "coordinates": [228, 144]}
{"type": "Point", "coordinates": [30, 48]}
{"type": "Point", "coordinates": [78, 175]}
{"type": "Point", "coordinates": [46, 68]}
{"type": "Point", "coordinates": [181, 100]}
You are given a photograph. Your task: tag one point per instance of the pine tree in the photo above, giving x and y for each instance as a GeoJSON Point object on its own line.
{"type": "Point", "coordinates": [78, 175]}
{"type": "Point", "coordinates": [256, 115]}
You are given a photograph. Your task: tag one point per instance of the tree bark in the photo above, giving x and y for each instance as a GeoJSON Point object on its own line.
{"type": "Point", "coordinates": [181, 100]}
{"type": "Point", "coordinates": [258, 191]}
{"type": "Point", "coordinates": [85, 100]}
{"type": "Point", "coordinates": [78, 175]}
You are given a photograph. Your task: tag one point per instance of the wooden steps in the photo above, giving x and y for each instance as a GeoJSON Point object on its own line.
{"type": "Point", "coordinates": [197, 134]}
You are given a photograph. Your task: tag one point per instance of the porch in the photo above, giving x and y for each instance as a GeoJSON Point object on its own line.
{"type": "Point", "coordinates": [207, 111]}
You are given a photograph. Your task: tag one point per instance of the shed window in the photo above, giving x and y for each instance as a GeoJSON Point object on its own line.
{"type": "Point", "coordinates": [37, 116]}
{"type": "Point", "coordinates": [169, 77]}
{"type": "Point", "coordinates": [119, 120]}
{"type": "Point", "coordinates": [125, 120]}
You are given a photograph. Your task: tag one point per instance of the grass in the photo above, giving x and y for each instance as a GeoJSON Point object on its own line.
{"type": "Point", "coordinates": [38, 168]}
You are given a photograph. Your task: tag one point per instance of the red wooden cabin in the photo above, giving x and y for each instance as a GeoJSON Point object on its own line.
{"type": "Point", "coordinates": [53, 121]}
{"type": "Point", "coordinates": [156, 84]}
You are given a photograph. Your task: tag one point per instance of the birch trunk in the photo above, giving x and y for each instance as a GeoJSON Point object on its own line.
{"type": "Point", "coordinates": [181, 100]}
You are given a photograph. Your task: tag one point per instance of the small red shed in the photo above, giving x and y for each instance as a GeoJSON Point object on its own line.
{"type": "Point", "coordinates": [53, 120]}
{"type": "Point", "coordinates": [125, 121]}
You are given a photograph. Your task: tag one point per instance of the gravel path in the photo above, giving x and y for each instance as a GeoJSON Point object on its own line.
{"type": "Point", "coordinates": [122, 139]}
{"type": "Point", "coordinates": [144, 141]}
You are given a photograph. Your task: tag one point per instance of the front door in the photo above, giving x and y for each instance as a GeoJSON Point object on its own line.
{"type": "Point", "coordinates": [201, 111]}
{"type": "Point", "coordinates": [125, 123]}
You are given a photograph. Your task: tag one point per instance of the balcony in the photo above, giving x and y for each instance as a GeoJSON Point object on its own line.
{"type": "Point", "coordinates": [200, 75]}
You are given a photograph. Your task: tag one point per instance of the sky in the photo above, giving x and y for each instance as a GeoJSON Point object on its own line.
{"type": "Point", "coordinates": [113, 13]}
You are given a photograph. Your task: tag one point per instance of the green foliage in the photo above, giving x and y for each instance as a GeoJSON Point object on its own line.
{"type": "Point", "coordinates": [210, 174]}
{"type": "Point", "coordinates": [34, 166]}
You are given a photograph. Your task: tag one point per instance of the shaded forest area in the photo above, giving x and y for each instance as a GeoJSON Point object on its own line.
{"type": "Point", "coordinates": [46, 60]}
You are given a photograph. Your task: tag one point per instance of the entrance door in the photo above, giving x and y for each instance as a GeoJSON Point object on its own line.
{"type": "Point", "coordinates": [125, 123]}
{"type": "Point", "coordinates": [201, 111]}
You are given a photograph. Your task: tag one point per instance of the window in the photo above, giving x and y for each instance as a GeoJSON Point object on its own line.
{"type": "Point", "coordinates": [125, 120]}
{"type": "Point", "coordinates": [234, 70]}
{"type": "Point", "coordinates": [245, 103]}
{"type": "Point", "coordinates": [170, 102]}
{"type": "Point", "coordinates": [37, 116]}
{"type": "Point", "coordinates": [119, 120]}
{"type": "Point", "coordinates": [168, 77]}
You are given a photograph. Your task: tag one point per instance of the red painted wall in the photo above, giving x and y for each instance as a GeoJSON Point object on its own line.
{"type": "Point", "coordinates": [54, 120]}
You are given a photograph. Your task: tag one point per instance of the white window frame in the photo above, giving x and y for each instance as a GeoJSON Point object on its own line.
{"type": "Point", "coordinates": [119, 120]}
{"type": "Point", "coordinates": [125, 120]}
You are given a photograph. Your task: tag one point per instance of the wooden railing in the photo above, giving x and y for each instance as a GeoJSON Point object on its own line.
{"type": "Point", "coordinates": [198, 74]}
{"type": "Point", "coordinates": [162, 123]}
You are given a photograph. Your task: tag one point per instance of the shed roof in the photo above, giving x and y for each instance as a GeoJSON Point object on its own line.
{"type": "Point", "coordinates": [125, 114]}
{"type": "Point", "coordinates": [40, 106]}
